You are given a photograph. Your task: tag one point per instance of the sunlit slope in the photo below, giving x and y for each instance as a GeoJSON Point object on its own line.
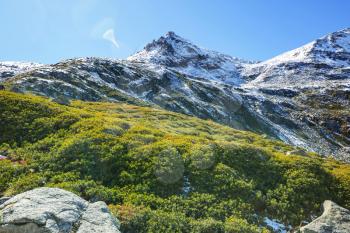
{"type": "Point", "coordinates": [162, 171]}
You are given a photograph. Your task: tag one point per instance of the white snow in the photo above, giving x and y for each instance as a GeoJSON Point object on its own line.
{"type": "Point", "coordinates": [128, 71]}
{"type": "Point", "coordinates": [186, 189]}
{"type": "Point", "coordinates": [14, 67]}
{"type": "Point", "coordinates": [96, 78]}
{"type": "Point", "coordinates": [164, 95]}
{"type": "Point", "coordinates": [19, 65]}
{"type": "Point", "coordinates": [275, 225]}
{"type": "Point", "coordinates": [138, 82]}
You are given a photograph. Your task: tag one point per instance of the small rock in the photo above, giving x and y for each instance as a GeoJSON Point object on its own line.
{"type": "Point", "coordinates": [335, 219]}
{"type": "Point", "coordinates": [62, 100]}
{"type": "Point", "coordinates": [301, 152]}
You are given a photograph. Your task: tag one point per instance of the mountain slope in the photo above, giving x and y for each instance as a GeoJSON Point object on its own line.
{"type": "Point", "coordinates": [162, 171]}
{"type": "Point", "coordinates": [300, 97]}
{"type": "Point", "coordinates": [316, 80]}
{"type": "Point", "coordinates": [97, 79]}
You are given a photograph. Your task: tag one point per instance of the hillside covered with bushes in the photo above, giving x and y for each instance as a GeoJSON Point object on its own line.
{"type": "Point", "coordinates": [161, 171]}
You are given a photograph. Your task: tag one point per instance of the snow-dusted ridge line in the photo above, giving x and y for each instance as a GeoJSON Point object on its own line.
{"type": "Point", "coordinates": [274, 97]}
{"type": "Point", "coordinates": [11, 68]}
{"type": "Point", "coordinates": [333, 42]}
{"type": "Point", "coordinates": [183, 56]}
{"type": "Point", "coordinates": [313, 62]}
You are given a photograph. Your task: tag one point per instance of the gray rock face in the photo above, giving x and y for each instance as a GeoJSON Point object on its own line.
{"type": "Point", "coordinates": [334, 219]}
{"type": "Point", "coordinates": [52, 210]}
{"type": "Point", "coordinates": [98, 219]}
{"type": "Point", "coordinates": [3, 199]}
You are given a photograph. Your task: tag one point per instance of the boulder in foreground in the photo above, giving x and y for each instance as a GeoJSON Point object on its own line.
{"type": "Point", "coordinates": [52, 210]}
{"type": "Point", "coordinates": [335, 219]}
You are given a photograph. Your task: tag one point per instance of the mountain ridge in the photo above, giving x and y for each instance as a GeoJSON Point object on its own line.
{"type": "Point", "coordinates": [329, 52]}
{"type": "Point", "coordinates": [290, 100]}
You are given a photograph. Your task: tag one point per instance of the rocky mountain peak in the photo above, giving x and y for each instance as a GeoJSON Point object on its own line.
{"type": "Point", "coordinates": [332, 49]}
{"type": "Point", "coordinates": [324, 59]}
{"type": "Point", "coordinates": [171, 34]}
{"type": "Point", "coordinates": [170, 39]}
{"type": "Point", "coordinates": [337, 41]}
{"type": "Point", "coordinates": [167, 49]}
{"type": "Point", "coordinates": [181, 55]}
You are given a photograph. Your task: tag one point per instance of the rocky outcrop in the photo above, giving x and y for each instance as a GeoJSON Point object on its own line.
{"type": "Point", "coordinates": [52, 210]}
{"type": "Point", "coordinates": [335, 219]}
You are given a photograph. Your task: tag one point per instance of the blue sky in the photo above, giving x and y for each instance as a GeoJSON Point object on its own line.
{"type": "Point", "coordinates": [48, 31]}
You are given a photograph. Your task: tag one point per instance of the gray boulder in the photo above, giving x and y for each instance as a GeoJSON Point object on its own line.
{"type": "Point", "coordinates": [335, 219]}
{"type": "Point", "coordinates": [52, 210]}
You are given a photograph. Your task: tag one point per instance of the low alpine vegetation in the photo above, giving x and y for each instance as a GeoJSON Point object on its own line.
{"type": "Point", "coordinates": [161, 171]}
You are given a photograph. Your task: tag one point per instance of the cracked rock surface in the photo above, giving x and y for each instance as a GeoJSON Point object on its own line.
{"type": "Point", "coordinates": [52, 210]}
{"type": "Point", "coordinates": [97, 219]}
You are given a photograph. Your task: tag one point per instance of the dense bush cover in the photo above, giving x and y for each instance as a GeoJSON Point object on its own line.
{"type": "Point", "coordinates": [161, 171]}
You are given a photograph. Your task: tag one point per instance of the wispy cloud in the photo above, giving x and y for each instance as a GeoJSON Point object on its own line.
{"type": "Point", "coordinates": [110, 36]}
{"type": "Point", "coordinates": [104, 30]}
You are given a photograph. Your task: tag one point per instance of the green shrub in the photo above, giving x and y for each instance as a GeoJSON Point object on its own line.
{"type": "Point", "coordinates": [167, 172]}
{"type": "Point", "coordinates": [238, 225]}
{"type": "Point", "coordinates": [208, 225]}
{"type": "Point", "coordinates": [25, 183]}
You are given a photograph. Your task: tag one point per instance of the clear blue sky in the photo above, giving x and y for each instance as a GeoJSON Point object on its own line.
{"type": "Point", "coordinates": [51, 30]}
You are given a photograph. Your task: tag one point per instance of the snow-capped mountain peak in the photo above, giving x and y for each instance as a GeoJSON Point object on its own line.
{"type": "Point", "coordinates": [172, 44]}
{"type": "Point", "coordinates": [318, 61]}
{"type": "Point", "coordinates": [167, 50]}
{"type": "Point", "coordinates": [324, 50]}
{"type": "Point", "coordinates": [183, 56]}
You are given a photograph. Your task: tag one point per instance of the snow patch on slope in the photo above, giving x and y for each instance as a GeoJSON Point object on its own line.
{"type": "Point", "coordinates": [11, 68]}
{"type": "Point", "coordinates": [275, 225]}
